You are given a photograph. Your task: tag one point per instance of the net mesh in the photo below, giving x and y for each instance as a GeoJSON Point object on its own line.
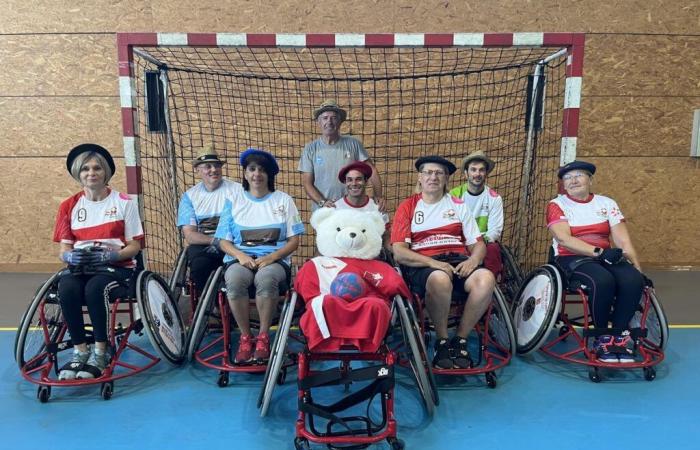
{"type": "Point", "coordinates": [402, 103]}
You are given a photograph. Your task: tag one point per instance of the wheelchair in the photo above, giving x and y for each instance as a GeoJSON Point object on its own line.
{"type": "Point", "coordinates": [338, 432]}
{"type": "Point", "coordinates": [209, 341]}
{"type": "Point", "coordinates": [546, 301]}
{"type": "Point", "coordinates": [511, 277]}
{"type": "Point", "coordinates": [180, 284]}
{"type": "Point", "coordinates": [493, 335]}
{"type": "Point", "coordinates": [42, 338]}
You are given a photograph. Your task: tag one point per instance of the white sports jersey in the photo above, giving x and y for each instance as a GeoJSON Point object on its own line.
{"type": "Point", "coordinates": [487, 208]}
{"type": "Point", "coordinates": [202, 208]}
{"type": "Point", "coordinates": [369, 206]}
{"type": "Point", "coordinates": [432, 229]}
{"type": "Point", "coordinates": [109, 223]}
{"type": "Point", "coordinates": [259, 226]}
{"type": "Point", "coordinates": [589, 220]}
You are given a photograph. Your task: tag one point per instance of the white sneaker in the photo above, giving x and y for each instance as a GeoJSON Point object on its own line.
{"type": "Point", "coordinates": [70, 370]}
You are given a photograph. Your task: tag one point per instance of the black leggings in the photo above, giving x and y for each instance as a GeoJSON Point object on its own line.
{"type": "Point", "coordinates": [94, 291]}
{"type": "Point", "coordinates": [617, 288]}
{"type": "Point", "coordinates": [202, 264]}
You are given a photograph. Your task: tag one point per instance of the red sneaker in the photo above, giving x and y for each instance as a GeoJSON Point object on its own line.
{"type": "Point", "coordinates": [245, 349]}
{"type": "Point", "coordinates": [262, 348]}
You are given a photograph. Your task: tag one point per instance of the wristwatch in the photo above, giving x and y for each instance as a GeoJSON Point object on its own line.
{"type": "Point", "coordinates": [597, 251]}
{"type": "Point", "coordinates": [321, 202]}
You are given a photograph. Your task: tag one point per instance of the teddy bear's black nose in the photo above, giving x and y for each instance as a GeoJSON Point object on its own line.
{"type": "Point", "coordinates": [352, 235]}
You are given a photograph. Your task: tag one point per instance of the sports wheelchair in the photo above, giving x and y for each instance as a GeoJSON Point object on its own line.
{"type": "Point", "coordinates": [213, 318]}
{"type": "Point", "coordinates": [338, 432]}
{"type": "Point", "coordinates": [42, 338]}
{"type": "Point", "coordinates": [510, 278]}
{"type": "Point", "coordinates": [493, 336]}
{"type": "Point", "coordinates": [546, 301]}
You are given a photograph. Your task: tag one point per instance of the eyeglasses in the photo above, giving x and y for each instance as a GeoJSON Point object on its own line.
{"type": "Point", "coordinates": [211, 165]}
{"type": "Point", "coordinates": [430, 173]}
{"type": "Point", "coordinates": [572, 175]}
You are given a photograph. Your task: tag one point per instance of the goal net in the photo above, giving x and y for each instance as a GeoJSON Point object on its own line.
{"type": "Point", "coordinates": [402, 102]}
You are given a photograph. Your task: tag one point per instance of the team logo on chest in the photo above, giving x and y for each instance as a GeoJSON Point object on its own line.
{"type": "Point", "coordinates": [279, 210]}
{"type": "Point", "coordinates": [603, 212]}
{"type": "Point", "coordinates": [373, 278]}
{"type": "Point", "coordinates": [111, 213]}
{"type": "Point", "coordinates": [450, 214]}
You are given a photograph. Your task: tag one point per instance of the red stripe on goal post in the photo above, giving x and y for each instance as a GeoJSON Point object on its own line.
{"type": "Point", "coordinates": [261, 40]}
{"type": "Point", "coordinates": [320, 40]}
{"type": "Point", "coordinates": [133, 180]}
{"type": "Point", "coordinates": [438, 40]}
{"type": "Point", "coordinates": [569, 126]}
{"type": "Point", "coordinates": [498, 39]}
{"type": "Point", "coordinates": [379, 40]}
{"type": "Point", "coordinates": [201, 39]}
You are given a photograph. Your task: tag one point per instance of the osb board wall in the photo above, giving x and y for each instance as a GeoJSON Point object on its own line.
{"type": "Point", "coordinates": [59, 87]}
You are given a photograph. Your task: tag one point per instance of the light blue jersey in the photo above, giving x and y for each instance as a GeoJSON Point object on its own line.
{"type": "Point", "coordinates": [201, 208]}
{"type": "Point", "coordinates": [259, 226]}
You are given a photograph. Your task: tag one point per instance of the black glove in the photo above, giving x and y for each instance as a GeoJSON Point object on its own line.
{"type": "Point", "coordinates": [611, 256]}
{"type": "Point", "coordinates": [75, 257]}
{"type": "Point", "coordinates": [647, 281]}
{"type": "Point", "coordinates": [214, 246]}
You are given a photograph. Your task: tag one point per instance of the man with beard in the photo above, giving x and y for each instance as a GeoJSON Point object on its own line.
{"type": "Point", "coordinates": [484, 203]}
{"type": "Point", "coordinates": [323, 158]}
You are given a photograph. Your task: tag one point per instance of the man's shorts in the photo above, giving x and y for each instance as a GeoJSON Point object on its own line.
{"type": "Point", "coordinates": [417, 277]}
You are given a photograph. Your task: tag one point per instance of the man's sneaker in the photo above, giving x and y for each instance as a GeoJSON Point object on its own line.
{"type": "Point", "coordinates": [94, 366]}
{"type": "Point", "coordinates": [262, 348]}
{"type": "Point", "coordinates": [245, 349]}
{"type": "Point", "coordinates": [623, 347]}
{"type": "Point", "coordinates": [460, 353]}
{"type": "Point", "coordinates": [442, 358]}
{"type": "Point", "coordinates": [603, 349]}
{"type": "Point", "coordinates": [71, 369]}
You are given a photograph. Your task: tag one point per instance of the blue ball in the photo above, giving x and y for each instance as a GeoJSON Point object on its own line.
{"type": "Point", "coordinates": [348, 286]}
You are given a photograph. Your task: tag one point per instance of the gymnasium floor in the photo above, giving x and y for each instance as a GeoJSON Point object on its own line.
{"type": "Point", "coordinates": [538, 403]}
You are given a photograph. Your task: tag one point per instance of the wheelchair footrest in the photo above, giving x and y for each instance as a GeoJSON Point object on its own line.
{"type": "Point", "coordinates": [635, 333]}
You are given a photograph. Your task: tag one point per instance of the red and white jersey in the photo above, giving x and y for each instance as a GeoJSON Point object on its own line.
{"type": "Point", "coordinates": [330, 321]}
{"type": "Point", "coordinates": [109, 223]}
{"type": "Point", "coordinates": [432, 229]}
{"type": "Point", "coordinates": [589, 220]}
{"type": "Point", "coordinates": [369, 205]}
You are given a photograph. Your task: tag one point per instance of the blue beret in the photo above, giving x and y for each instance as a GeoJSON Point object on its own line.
{"type": "Point", "coordinates": [270, 165]}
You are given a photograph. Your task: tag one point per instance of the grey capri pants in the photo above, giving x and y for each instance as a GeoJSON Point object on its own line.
{"type": "Point", "coordinates": [267, 281]}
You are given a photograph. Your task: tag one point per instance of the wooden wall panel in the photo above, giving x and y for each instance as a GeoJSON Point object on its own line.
{"type": "Point", "coordinates": [32, 189]}
{"type": "Point", "coordinates": [61, 16]}
{"type": "Point", "coordinates": [49, 126]}
{"type": "Point", "coordinates": [66, 64]}
{"type": "Point", "coordinates": [634, 65]}
{"type": "Point", "coordinates": [636, 126]}
{"type": "Point", "coordinates": [659, 199]}
{"type": "Point", "coordinates": [650, 16]}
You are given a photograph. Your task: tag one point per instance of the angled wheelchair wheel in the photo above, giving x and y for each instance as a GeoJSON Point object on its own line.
{"type": "Point", "coordinates": [500, 323]}
{"type": "Point", "coordinates": [200, 321]}
{"type": "Point", "coordinates": [513, 274]}
{"type": "Point", "coordinates": [178, 277]}
{"type": "Point", "coordinates": [656, 323]}
{"type": "Point", "coordinates": [161, 317]}
{"type": "Point", "coordinates": [417, 355]}
{"type": "Point", "coordinates": [537, 308]}
{"type": "Point", "coordinates": [278, 353]}
{"type": "Point", "coordinates": [40, 326]}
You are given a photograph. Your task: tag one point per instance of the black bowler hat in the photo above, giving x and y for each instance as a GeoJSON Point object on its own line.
{"type": "Point", "coordinates": [576, 165]}
{"type": "Point", "coordinates": [451, 168]}
{"type": "Point", "coordinates": [85, 148]}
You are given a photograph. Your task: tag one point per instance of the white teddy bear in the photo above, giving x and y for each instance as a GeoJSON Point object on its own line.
{"type": "Point", "coordinates": [347, 292]}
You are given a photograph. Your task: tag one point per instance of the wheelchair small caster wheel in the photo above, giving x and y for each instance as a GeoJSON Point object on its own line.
{"type": "Point", "coordinates": [396, 443]}
{"type": "Point", "coordinates": [301, 444]}
{"type": "Point", "coordinates": [491, 380]}
{"type": "Point", "coordinates": [282, 376]}
{"type": "Point", "coordinates": [43, 393]}
{"type": "Point", "coordinates": [223, 379]}
{"type": "Point", "coordinates": [107, 390]}
{"type": "Point", "coordinates": [649, 373]}
{"type": "Point", "coordinates": [594, 374]}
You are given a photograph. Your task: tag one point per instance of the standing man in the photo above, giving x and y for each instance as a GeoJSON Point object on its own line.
{"type": "Point", "coordinates": [354, 176]}
{"type": "Point", "coordinates": [323, 158]}
{"type": "Point", "coordinates": [198, 215]}
{"type": "Point", "coordinates": [484, 203]}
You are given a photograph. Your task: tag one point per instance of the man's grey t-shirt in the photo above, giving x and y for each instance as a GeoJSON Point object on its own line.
{"type": "Point", "coordinates": [326, 160]}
